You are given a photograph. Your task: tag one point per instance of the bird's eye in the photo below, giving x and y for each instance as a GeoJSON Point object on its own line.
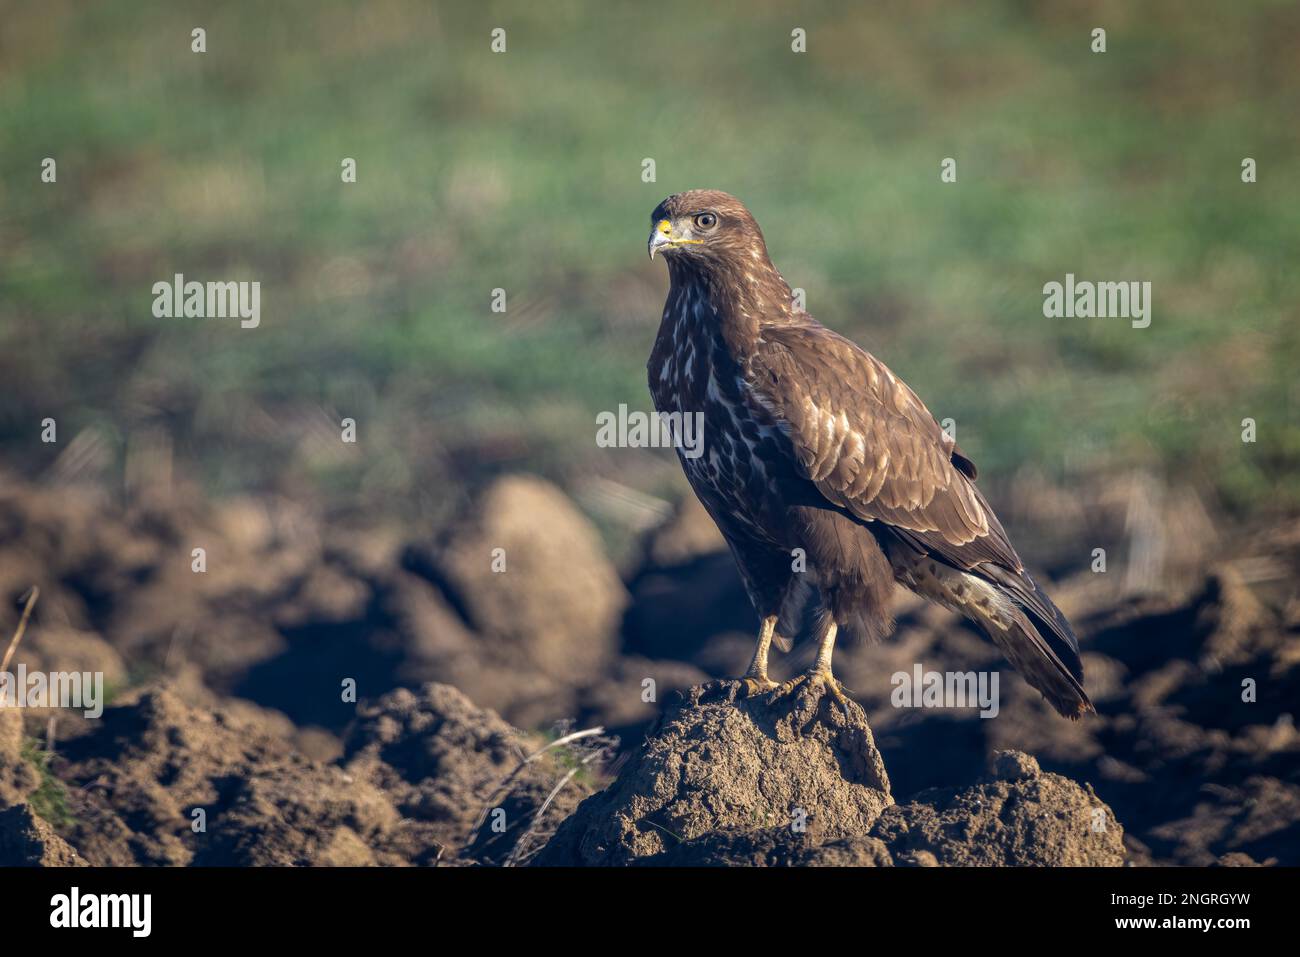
{"type": "Point", "coordinates": [706, 220]}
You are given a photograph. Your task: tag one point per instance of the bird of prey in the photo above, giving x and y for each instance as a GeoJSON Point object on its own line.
{"type": "Point", "coordinates": [822, 468]}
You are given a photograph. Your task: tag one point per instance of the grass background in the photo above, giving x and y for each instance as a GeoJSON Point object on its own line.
{"type": "Point", "coordinates": [523, 171]}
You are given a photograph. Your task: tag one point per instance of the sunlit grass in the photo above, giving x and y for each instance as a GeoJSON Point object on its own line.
{"type": "Point", "coordinates": [522, 171]}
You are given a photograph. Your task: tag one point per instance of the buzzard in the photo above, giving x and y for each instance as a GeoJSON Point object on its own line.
{"type": "Point", "coordinates": [813, 444]}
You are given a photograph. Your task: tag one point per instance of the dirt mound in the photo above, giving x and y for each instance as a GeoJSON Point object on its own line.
{"type": "Point", "coordinates": [26, 840]}
{"type": "Point", "coordinates": [716, 762]}
{"type": "Point", "coordinates": [282, 605]}
{"type": "Point", "coordinates": [797, 781]}
{"type": "Point", "coordinates": [163, 781]}
{"type": "Point", "coordinates": [1017, 816]}
{"type": "Point", "coordinates": [529, 574]}
{"type": "Point", "coordinates": [451, 767]}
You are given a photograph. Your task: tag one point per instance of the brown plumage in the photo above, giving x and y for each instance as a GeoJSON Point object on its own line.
{"type": "Point", "coordinates": [815, 451]}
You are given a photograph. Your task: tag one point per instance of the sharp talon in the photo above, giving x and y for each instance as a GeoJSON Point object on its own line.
{"type": "Point", "coordinates": [756, 685]}
{"type": "Point", "coordinates": [839, 693]}
{"type": "Point", "coordinates": [821, 679]}
{"type": "Point", "coordinates": [786, 687]}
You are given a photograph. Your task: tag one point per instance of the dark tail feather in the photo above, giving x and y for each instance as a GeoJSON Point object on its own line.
{"type": "Point", "coordinates": [1065, 689]}
{"type": "Point", "coordinates": [1042, 645]}
{"type": "Point", "coordinates": [1058, 677]}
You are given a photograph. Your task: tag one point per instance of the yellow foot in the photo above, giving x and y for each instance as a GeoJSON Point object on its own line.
{"type": "Point", "coordinates": [756, 684]}
{"type": "Point", "coordinates": [817, 678]}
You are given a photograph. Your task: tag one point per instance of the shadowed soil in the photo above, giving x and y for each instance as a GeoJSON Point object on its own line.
{"type": "Point", "coordinates": [227, 697]}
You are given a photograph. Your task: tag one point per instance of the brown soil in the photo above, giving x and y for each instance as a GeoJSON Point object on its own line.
{"type": "Point", "coordinates": [227, 697]}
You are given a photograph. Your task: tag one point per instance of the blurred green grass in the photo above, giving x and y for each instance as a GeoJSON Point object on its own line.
{"type": "Point", "coordinates": [522, 171]}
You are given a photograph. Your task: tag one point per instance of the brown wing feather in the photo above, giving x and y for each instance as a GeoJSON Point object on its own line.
{"type": "Point", "coordinates": [871, 446]}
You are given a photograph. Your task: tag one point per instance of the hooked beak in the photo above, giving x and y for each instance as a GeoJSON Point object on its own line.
{"type": "Point", "coordinates": [660, 236]}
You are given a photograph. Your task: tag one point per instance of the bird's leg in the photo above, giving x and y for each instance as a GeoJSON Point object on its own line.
{"type": "Point", "coordinates": [820, 672]}
{"type": "Point", "coordinates": [755, 678]}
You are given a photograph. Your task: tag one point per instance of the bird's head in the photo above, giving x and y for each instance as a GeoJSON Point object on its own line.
{"type": "Point", "coordinates": [702, 226]}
